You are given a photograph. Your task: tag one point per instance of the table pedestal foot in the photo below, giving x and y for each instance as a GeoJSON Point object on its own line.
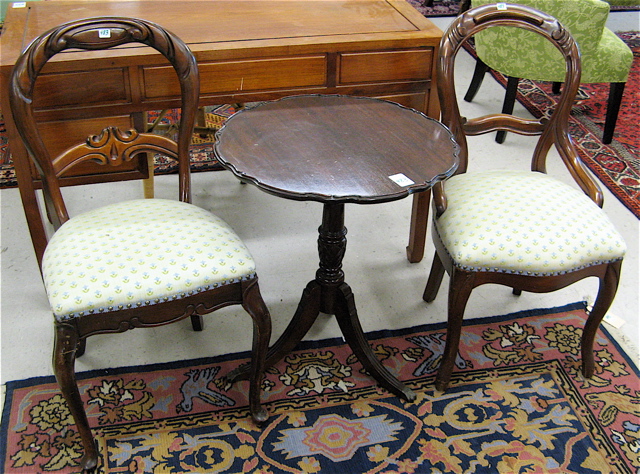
{"type": "Point", "coordinates": [306, 314]}
{"type": "Point", "coordinates": [347, 317]}
{"type": "Point", "coordinates": [328, 293]}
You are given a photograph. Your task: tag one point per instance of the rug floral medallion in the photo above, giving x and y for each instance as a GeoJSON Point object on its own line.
{"type": "Point", "coordinates": [517, 403]}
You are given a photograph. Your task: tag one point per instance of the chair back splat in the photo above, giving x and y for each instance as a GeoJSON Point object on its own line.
{"type": "Point", "coordinates": [84, 35]}
{"type": "Point", "coordinates": [135, 263]}
{"type": "Point", "coordinates": [553, 130]}
{"type": "Point", "coordinates": [519, 228]}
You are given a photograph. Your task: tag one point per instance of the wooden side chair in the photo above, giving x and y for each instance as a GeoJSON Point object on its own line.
{"type": "Point", "coordinates": [137, 263]}
{"type": "Point", "coordinates": [520, 54]}
{"type": "Point", "coordinates": [519, 228]}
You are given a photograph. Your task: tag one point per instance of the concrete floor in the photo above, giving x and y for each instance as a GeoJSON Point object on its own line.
{"type": "Point", "coordinates": [282, 235]}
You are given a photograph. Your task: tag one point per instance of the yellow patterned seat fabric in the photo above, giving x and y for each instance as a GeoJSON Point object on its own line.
{"type": "Point", "coordinates": [524, 223]}
{"type": "Point", "coordinates": [139, 253]}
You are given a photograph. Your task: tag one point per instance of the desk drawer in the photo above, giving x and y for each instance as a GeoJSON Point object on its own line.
{"type": "Point", "coordinates": [385, 66]}
{"type": "Point", "coordinates": [82, 88]}
{"type": "Point", "coordinates": [247, 76]}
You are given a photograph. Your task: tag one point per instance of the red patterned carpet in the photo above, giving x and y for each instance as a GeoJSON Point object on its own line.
{"type": "Point", "coordinates": [439, 7]}
{"type": "Point", "coordinates": [517, 403]}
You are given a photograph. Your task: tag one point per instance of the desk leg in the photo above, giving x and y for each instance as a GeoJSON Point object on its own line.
{"type": "Point", "coordinates": [418, 229]}
{"type": "Point", "coordinates": [141, 123]}
{"type": "Point", "coordinates": [148, 183]}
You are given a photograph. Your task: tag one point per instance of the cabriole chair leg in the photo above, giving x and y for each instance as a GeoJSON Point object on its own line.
{"type": "Point", "coordinates": [460, 286]}
{"type": "Point", "coordinates": [81, 347]}
{"type": "Point", "coordinates": [435, 279]}
{"type": "Point", "coordinates": [64, 355]}
{"type": "Point", "coordinates": [254, 305]}
{"type": "Point", "coordinates": [606, 293]}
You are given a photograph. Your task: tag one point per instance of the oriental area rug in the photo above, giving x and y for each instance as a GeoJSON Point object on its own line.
{"type": "Point", "coordinates": [436, 7]}
{"type": "Point", "coordinates": [617, 165]}
{"type": "Point", "coordinates": [517, 403]}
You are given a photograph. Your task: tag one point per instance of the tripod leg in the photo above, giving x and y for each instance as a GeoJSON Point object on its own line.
{"type": "Point", "coordinates": [347, 317]}
{"type": "Point", "coordinates": [306, 314]}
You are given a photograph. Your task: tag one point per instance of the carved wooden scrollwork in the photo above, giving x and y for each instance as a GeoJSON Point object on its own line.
{"type": "Point", "coordinates": [113, 147]}
{"type": "Point", "coordinates": [113, 144]}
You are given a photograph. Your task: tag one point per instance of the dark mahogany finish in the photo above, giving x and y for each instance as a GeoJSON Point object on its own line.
{"type": "Point", "coordinates": [331, 148]}
{"type": "Point", "coordinates": [113, 147]}
{"type": "Point", "coordinates": [553, 132]}
{"type": "Point", "coordinates": [335, 150]}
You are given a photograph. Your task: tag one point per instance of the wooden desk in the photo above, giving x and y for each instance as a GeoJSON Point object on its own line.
{"type": "Point", "coordinates": [246, 50]}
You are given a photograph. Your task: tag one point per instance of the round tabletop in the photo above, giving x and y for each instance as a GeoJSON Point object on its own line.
{"type": "Point", "coordinates": [332, 148]}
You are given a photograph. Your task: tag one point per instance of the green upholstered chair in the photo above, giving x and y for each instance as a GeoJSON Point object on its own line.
{"type": "Point", "coordinates": [605, 57]}
{"type": "Point", "coordinates": [518, 227]}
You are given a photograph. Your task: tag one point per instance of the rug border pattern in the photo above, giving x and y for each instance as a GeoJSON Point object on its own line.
{"type": "Point", "coordinates": [460, 379]}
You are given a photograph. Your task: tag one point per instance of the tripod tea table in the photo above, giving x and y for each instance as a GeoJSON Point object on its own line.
{"type": "Point", "coordinates": [335, 150]}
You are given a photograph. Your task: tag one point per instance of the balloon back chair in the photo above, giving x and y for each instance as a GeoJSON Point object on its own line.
{"type": "Point", "coordinates": [523, 229]}
{"type": "Point", "coordinates": [522, 54]}
{"type": "Point", "coordinates": [137, 263]}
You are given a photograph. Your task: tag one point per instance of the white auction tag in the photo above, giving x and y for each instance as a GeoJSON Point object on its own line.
{"type": "Point", "coordinates": [19, 4]}
{"type": "Point", "coordinates": [104, 33]}
{"type": "Point", "coordinates": [613, 320]}
{"type": "Point", "coordinates": [401, 180]}
{"type": "Point", "coordinates": [501, 6]}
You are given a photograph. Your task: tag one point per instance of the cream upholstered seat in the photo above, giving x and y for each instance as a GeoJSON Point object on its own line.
{"type": "Point", "coordinates": [524, 223]}
{"type": "Point", "coordinates": [519, 228]}
{"type": "Point", "coordinates": [139, 253]}
{"type": "Point", "coordinates": [136, 263]}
